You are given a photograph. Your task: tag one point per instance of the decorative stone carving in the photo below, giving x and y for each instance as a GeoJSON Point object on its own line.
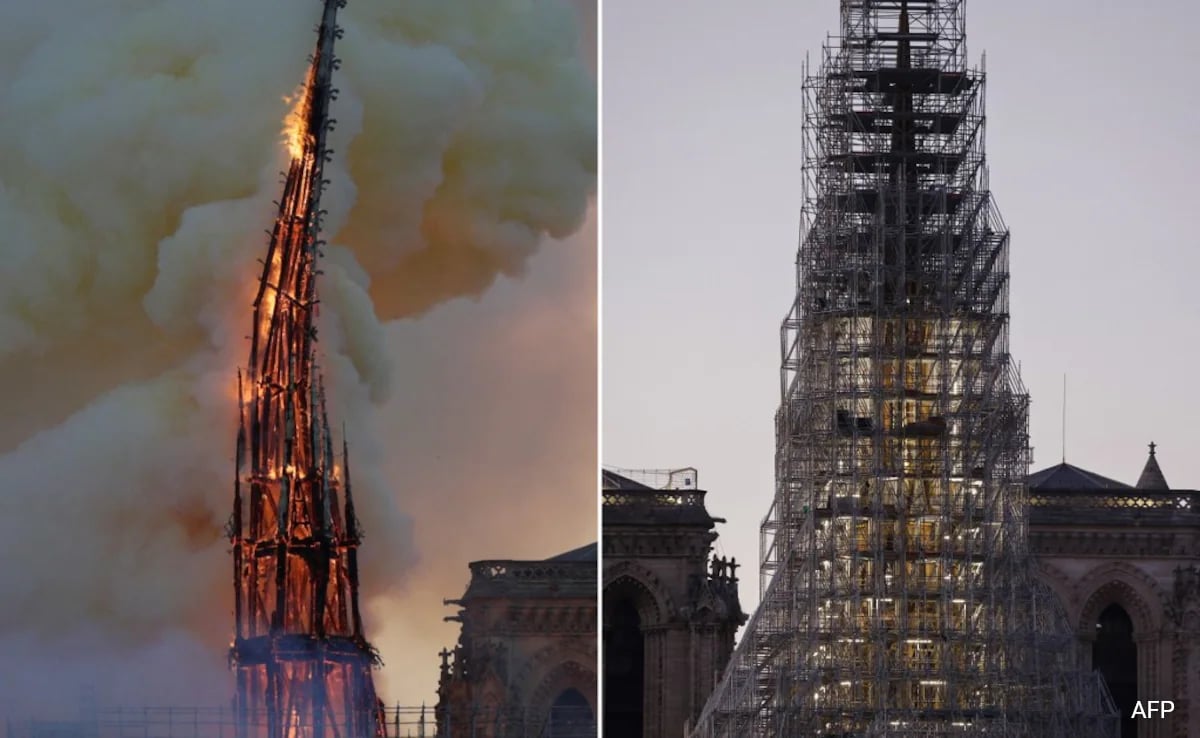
{"type": "Point", "coordinates": [1183, 608]}
{"type": "Point", "coordinates": [528, 629]}
{"type": "Point", "coordinates": [657, 547]}
{"type": "Point", "coordinates": [1126, 585]}
{"type": "Point", "coordinates": [630, 573]}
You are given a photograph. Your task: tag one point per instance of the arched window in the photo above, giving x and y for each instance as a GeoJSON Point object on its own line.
{"type": "Point", "coordinates": [624, 670]}
{"type": "Point", "coordinates": [571, 717]}
{"type": "Point", "coordinates": [1114, 654]}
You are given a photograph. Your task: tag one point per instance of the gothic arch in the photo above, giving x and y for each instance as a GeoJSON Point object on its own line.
{"type": "Point", "coordinates": [565, 675]}
{"type": "Point", "coordinates": [1122, 584]}
{"type": "Point", "coordinates": [535, 672]}
{"type": "Point", "coordinates": [651, 598]}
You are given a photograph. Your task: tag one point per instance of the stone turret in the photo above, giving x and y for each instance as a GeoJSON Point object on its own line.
{"type": "Point", "coordinates": [1152, 476]}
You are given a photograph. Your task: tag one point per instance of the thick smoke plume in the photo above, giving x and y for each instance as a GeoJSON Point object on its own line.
{"type": "Point", "coordinates": [140, 153]}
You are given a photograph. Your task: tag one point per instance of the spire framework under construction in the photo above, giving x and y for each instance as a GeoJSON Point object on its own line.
{"type": "Point", "coordinates": [302, 662]}
{"type": "Point", "coordinates": [898, 597]}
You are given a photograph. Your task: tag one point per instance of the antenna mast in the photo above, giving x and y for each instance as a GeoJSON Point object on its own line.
{"type": "Point", "coordinates": [1064, 419]}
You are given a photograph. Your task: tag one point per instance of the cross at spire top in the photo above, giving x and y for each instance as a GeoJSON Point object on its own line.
{"type": "Point", "coordinates": [1152, 476]}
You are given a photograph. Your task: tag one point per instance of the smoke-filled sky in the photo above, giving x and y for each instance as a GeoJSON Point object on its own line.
{"type": "Point", "coordinates": [1092, 119]}
{"type": "Point", "coordinates": [140, 150]}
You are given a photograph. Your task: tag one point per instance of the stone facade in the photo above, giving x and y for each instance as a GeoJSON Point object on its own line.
{"type": "Point", "coordinates": [525, 663]}
{"type": "Point", "coordinates": [1101, 543]}
{"type": "Point", "coordinates": [1124, 561]}
{"type": "Point", "coordinates": [670, 609]}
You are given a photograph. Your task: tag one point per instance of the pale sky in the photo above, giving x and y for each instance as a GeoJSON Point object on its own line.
{"type": "Point", "coordinates": [1092, 111]}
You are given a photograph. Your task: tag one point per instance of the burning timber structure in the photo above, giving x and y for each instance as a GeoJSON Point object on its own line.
{"type": "Point", "coordinates": [302, 662]}
{"type": "Point", "coordinates": [898, 596]}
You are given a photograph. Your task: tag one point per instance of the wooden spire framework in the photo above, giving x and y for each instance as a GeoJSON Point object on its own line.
{"type": "Point", "coordinates": [302, 662]}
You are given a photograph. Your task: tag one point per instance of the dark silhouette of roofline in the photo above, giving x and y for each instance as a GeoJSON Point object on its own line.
{"type": "Point", "coordinates": [1066, 476]}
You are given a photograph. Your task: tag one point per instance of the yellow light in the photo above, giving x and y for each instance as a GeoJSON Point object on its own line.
{"type": "Point", "coordinates": [295, 130]}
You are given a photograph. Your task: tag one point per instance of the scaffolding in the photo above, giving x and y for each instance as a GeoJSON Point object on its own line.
{"type": "Point", "coordinates": [897, 596]}
{"type": "Point", "coordinates": [686, 478]}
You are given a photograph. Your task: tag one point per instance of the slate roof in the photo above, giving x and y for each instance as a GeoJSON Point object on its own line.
{"type": "Point", "coordinates": [583, 553]}
{"type": "Point", "coordinates": [613, 481]}
{"type": "Point", "coordinates": [1066, 476]}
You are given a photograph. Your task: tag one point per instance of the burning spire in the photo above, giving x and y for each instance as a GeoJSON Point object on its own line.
{"type": "Point", "coordinates": [303, 664]}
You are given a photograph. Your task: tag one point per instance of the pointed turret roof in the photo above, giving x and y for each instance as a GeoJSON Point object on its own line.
{"type": "Point", "coordinates": [1152, 476]}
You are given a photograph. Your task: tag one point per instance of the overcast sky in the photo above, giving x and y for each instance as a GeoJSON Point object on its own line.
{"type": "Point", "coordinates": [1092, 117]}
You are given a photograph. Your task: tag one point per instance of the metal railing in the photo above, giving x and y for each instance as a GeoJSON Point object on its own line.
{"type": "Point", "coordinates": [222, 722]}
{"type": "Point", "coordinates": [681, 479]}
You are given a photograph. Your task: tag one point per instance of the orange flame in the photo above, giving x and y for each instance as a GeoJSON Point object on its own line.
{"type": "Point", "coordinates": [268, 305]}
{"type": "Point", "coordinates": [296, 135]}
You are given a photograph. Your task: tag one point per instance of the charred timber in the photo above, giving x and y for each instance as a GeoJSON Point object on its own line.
{"type": "Point", "coordinates": [303, 664]}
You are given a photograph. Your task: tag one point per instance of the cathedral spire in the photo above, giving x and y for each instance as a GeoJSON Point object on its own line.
{"type": "Point", "coordinates": [303, 665]}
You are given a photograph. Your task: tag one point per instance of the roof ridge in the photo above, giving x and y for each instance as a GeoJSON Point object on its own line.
{"type": "Point", "coordinates": [1069, 476]}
